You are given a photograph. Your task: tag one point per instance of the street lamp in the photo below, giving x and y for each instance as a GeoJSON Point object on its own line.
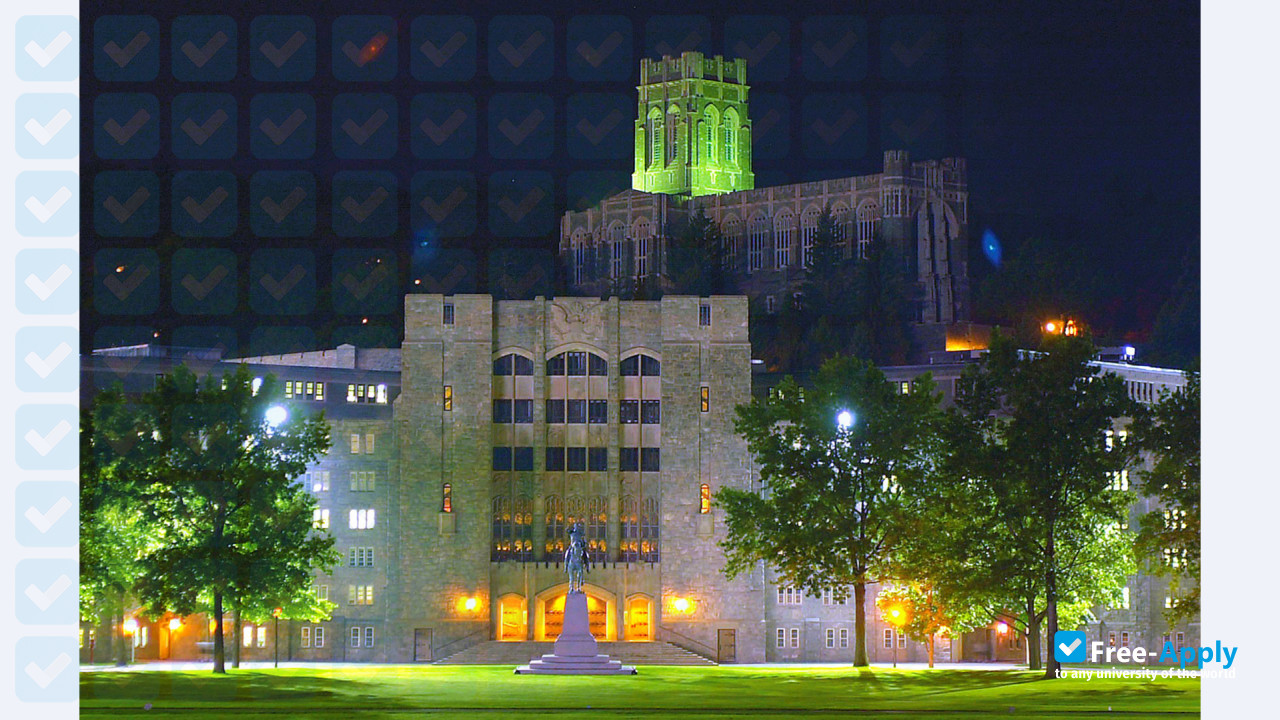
{"type": "Point", "coordinates": [276, 614]}
{"type": "Point", "coordinates": [276, 415]}
{"type": "Point", "coordinates": [897, 618]}
{"type": "Point", "coordinates": [844, 420]}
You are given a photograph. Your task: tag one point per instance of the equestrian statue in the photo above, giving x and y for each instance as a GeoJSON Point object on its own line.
{"type": "Point", "coordinates": [577, 561]}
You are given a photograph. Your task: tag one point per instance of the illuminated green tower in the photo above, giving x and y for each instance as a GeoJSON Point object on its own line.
{"type": "Point", "coordinates": [693, 136]}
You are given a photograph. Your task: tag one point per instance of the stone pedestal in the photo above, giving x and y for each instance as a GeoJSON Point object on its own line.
{"type": "Point", "coordinates": [575, 651]}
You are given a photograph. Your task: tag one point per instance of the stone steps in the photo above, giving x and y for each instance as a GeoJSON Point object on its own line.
{"type": "Point", "coordinates": [493, 652]}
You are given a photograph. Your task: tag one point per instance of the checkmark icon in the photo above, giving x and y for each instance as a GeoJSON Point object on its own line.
{"type": "Point", "coordinates": [279, 211]}
{"type": "Point", "coordinates": [911, 131]}
{"type": "Point", "coordinates": [1068, 649]}
{"type": "Point", "coordinates": [45, 444]}
{"type": "Point", "coordinates": [122, 133]}
{"type": "Point", "coordinates": [278, 56]}
{"type": "Point", "coordinates": [689, 42]}
{"type": "Point", "coordinates": [202, 55]}
{"type": "Point", "coordinates": [518, 55]}
{"type": "Point", "coordinates": [359, 211]}
{"type": "Point", "coordinates": [361, 133]}
{"type": "Point", "coordinates": [832, 54]}
{"type": "Point", "coordinates": [200, 211]}
{"type": "Point", "coordinates": [200, 289]}
{"type": "Point", "coordinates": [831, 132]}
{"type": "Point", "coordinates": [360, 289]}
{"type": "Point", "coordinates": [447, 284]}
{"type": "Point", "coordinates": [44, 521]}
{"type": "Point", "coordinates": [123, 211]}
{"type": "Point", "coordinates": [440, 133]}
{"type": "Point", "coordinates": [755, 54]}
{"type": "Point", "coordinates": [279, 288]}
{"type": "Point", "coordinates": [910, 55]}
{"type": "Point", "coordinates": [44, 598]}
{"type": "Point", "coordinates": [123, 288]}
{"type": "Point", "coordinates": [200, 133]}
{"type": "Point", "coordinates": [44, 133]}
{"type": "Point", "coordinates": [595, 56]}
{"type": "Point", "coordinates": [44, 211]}
{"type": "Point", "coordinates": [44, 366]}
{"type": "Point", "coordinates": [45, 288]}
{"type": "Point", "coordinates": [48, 53]}
{"type": "Point", "coordinates": [124, 55]}
{"type": "Point", "coordinates": [517, 211]}
{"type": "Point", "coordinates": [43, 676]}
{"type": "Point", "coordinates": [361, 56]}
{"type": "Point", "coordinates": [595, 133]}
{"type": "Point", "coordinates": [519, 133]}
{"type": "Point", "coordinates": [1069, 646]}
{"type": "Point", "coordinates": [279, 133]}
{"type": "Point", "coordinates": [442, 54]}
{"type": "Point", "coordinates": [439, 211]}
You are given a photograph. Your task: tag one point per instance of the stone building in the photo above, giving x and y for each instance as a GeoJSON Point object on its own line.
{"type": "Point", "coordinates": [693, 150]}
{"type": "Point", "coordinates": [460, 459]}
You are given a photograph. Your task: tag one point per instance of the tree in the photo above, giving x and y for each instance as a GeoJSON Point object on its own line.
{"type": "Point", "coordinates": [214, 479]}
{"type": "Point", "coordinates": [926, 614]}
{"type": "Point", "coordinates": [698, 258]}
{"type": "Point", "coordinates": [830, 510]}
{"type": "Point", "coordinates": [1170, 432]}
{"type": "Point", "coordinates": [1029, 440]}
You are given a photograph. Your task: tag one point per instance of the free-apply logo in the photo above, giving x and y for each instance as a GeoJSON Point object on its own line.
{"type": "Point", "coordinates": [1071, 646]}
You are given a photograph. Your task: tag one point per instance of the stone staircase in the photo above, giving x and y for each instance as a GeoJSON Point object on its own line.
{"type": "Point", "coordinates": [493, 652]}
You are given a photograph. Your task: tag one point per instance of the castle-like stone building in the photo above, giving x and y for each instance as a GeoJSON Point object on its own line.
{"type": "Point", "coordinates": [460, 458]}
{"type": "Point", "coordinates": [693, 151]}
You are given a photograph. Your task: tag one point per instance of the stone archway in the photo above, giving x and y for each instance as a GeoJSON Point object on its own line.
{"type": "Point", "coordinates": [513, 618]}
{"type": "Point", "coordinates": [639, 618]}
{"type": "Point", "coordinates": [601, 606]}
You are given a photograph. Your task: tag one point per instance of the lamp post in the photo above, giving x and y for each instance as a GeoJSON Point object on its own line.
{"type": "Point", "coordinates": [896, 618]}
{"type": "Point", "coordinates": [276, 614]}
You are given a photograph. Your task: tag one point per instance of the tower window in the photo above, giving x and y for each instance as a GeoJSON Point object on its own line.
{"type": "Point", "coordinates": [448, 398]}
{"type": "Point", "coordinates": [705, 399]}
{"type": "Point", "coordinates": [448, 313]}
{"type": "Point", "coordinates": [446, 504]}
{"type": "Point", "coordinates": [704, 315]}
{"type": "Point", "coordinates": [728, 143]}
{"type": "Point", "coordinates": [704, 499]}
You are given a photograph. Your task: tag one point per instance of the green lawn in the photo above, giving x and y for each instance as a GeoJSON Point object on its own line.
{"type": "Point", "coordinates": [657, 692]}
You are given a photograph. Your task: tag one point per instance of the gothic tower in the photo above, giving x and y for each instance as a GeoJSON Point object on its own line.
{"type": "Point", "coordinates": [693, 136]}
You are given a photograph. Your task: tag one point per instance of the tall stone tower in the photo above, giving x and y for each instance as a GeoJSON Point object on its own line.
{"type": "Point", "coordinates": [693, 135]}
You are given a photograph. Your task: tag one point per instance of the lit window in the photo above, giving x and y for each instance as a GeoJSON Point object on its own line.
{"type": "Point", "coordinates": [448, 313]}
{"type": "Point", "coordinates": [1111, 639]}
{"type": "Point", "coordinates": [361, 519]}
{"type": "Point", "coordinates": [320, 518]}
{"type": "Point", "coordinates": [446, 504]}
{"type": "Point", "coordinates": [256, 385]}
{"type": "Point", "coordinates": [359, 594]}
{"type": "Point", "coordinates": [319, 481]}
{"type": "Point", "coordinates": [382, 394]}
{"type": "Point", "coordinates": [368, 443]}
{"type": "Point", "coordinates": [355, 443]}
{"type": "Point", "coordinates": [261, 639]}
{"type": "Point", "coordinates": [1124, 598]}
{"type": "Point", "coordinates": [1124, 639]}
{"type": "Point", "coordinates": [705, 399]}
{"type": "Point", "coordinates": [704, 499]}
{"type": "Point", "coordinates": [448, 398]}
{"type": "Point", "coordinates": [248, 635]}
{"type": "Point", "coordinates": [1168, 603]}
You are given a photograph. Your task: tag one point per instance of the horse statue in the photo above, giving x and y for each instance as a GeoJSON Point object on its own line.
{"type": "Point", "coordinates": [576, 559]}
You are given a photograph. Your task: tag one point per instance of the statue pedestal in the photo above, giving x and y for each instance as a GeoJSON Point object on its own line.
{"type": "Point", "coordinates": [575, 651]}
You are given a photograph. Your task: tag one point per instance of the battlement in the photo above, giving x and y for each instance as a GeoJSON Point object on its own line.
{"type": "Point", "coordinates": [693, 65]}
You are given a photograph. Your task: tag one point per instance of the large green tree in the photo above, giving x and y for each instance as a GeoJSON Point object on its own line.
{"type": "Point", "coordinates": [1170, 433]}
{"type": "Point", "coordinates": [1030, 450]}
{"type": "Point", "coordinates": [831, 506]}
{"type": "Point", "coordinates": [698, 260]}
{"type": "Point", "coordinates": [212, 473]}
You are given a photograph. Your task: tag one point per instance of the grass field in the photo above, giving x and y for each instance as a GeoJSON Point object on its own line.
{"type": "Point", "coordinates": [476, 692]}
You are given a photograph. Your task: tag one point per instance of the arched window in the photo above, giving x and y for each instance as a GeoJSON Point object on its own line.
{"type": "Point", "coordinates": [630, 549]}
{"type": "Point", "coordinates": [704, 499]}
{"type": "Point", "coordinates": [709, 127]}
{"type": "Point", "coordinates": [618, 245]}
{"type": "Point", "coordinates": [446, 504]}
{"type": "Point", "coordinates": [512, 364]}
{"type": "Point", "coordinates": [808, 229]}
{"type": "Point", "coordinates": [649, 530]}
{"type": "Point", "coordinates": [673, 136]}
{"type": "Point", "coordinates": [782, 229]}
{"type": "Point", "coordinates": [579, 250]}
{"type": "Point", "coordinates": [522, 543]}
{"type": "Point", "coordinates": [597, 521]}
{"type": "Point", "coordinates": [638, 365]}
{"type": "Point", "coordinates": [730, 129]}
{"type": "Point", "coordinates": [732, 242]}
{"type": "Point", "coordinates": [755, 248]}
{"type": "Point", "coordinates": [555, 527]}
{"type": "Point", "coordinates": [868, 226]}
{"type": "Point", "coordinates": [655, 138]}
{"type": "Point", "coordinates": [641, 234]}
{"type": "Point", "coordinates": [576, 363]}
{"type": "Point", "coordinates": [501, 529]}
{"type": "Point", "coordinates": [839, 217]}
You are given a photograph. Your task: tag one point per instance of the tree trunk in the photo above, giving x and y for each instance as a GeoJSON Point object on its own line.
{"type": "Point", "coordinates": [1033, 637]}
{"type": "Point", "coordinates": [219, 647]}
{"type": "Point", "coordinates": [117, 638]}
{"type": "Point", "coordinates": [860, 624]}
{"type": "Point", "coordinates": [237, 631]}
{"type": "Point", "coordinates": [928, 643]}
{"type": "Point", "coordinates": [1051, 608]}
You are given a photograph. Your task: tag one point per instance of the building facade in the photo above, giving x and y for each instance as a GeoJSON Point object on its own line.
{"type": "Point", "coordinates": [460, 459]}
{"type": "Point", "coordinates": [693, 151]}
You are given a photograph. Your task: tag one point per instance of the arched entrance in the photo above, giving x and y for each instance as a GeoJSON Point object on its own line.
{"type": "Point", "coordinates": [513, 618]}
{"type": "Point", "coordinates": [639, 618]}
{"type": "Point", "coordinates": [601, 609]}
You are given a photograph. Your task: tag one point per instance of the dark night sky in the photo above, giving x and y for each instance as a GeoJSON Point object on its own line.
{"type": "Point", "coordinates": [1079, 121]}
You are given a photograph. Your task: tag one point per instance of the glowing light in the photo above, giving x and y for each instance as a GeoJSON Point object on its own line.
{"type": "Point", "coordinates": [373, 48]}
{"type": "Point", "coordinates": [1129, 351]}
{"type": "Point", "coordinates": [130, 626]}
{"type": "Point", "coordinates": [1002, 628]}
{"type": "Point", "coordinates": [897, 616]}
{"type": "Point", "coordinates": [991, 247]}
{"type": "Point", "coordinates": [277, 612]}
{"type": "Point", "coordinates": [682, 605]}
{"type": "Point", "coordinates": [175, 624]}
{"type": "Point", "coordinates": [1051, 327]}
{"type": "Point", "coordinates": [276, 415]}
{"type": "Point", "coordinates": [844, 419]}
{"type": "Point", "coordinates": [471, 603]}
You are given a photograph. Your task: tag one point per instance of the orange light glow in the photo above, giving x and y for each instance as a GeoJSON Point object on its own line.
{"type": "Point", "coordinates": [1051, 327]}
{"type": "Point", "coordinates": [470, 603]}
{"type": "Point", "coordinates": [682, 605]}
{"type": "Point", "coordinates": [1002, 628]}
{"type": "Point", "coordinates": [130, 626]}
{"type": "Point", "coordinates": [175, 624]}
{"type": "Point", "coordinates": [373, 48]}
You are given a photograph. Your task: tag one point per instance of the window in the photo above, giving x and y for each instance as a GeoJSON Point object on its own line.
{"type": "Point", "coordinates": [704, 499]}
{"type": "Point", "coordinates": [642, 256]}
{"type": "Point", "coordinates": [368, 636]}
{"type": "Point", "coordinates": [363, 480]}
{"type": "Point", "coordinates": [794, 634]}
{"type": "Point", "coordinates": [368, 443]}
{"type": "Point", "coordinates": [320, 518]}
{"type": "Point", "coordinates": [844, 637]}
{"type": "Point", "coordinates": [651, 412]}
{"type": "Point", "coordinates": [303, 390]}
{"type": "Point", "coordinates": [359, 393]}
{"type": "Point", "coordinates": [597, 459]}
{"type": "Point", "coordinates": [888, 639]}
{"type": "Point", "coordinates": [808, 231]}
{"type": "Point", "coordinates": [1111, 639]}
{"type": "Point", "coordinates": [1120, 480]}
{"type": "Point", "coordinates": [650, 460]}
{"type": "Point", "coordinates": [575, 459]}
{"type": "Point", "coordinates": [630, 547]}
{"type": "Point", "coordinates": [555, 524]}
{"type": "Point", "coordinates": [705, 396]}
{"type": "Point", "coordinates": [318, 481]}
{"type": "Point", "coordinates": [248, 635]}
{"type": "Point", "coordinates": [361, 519]}
{"type": "Point", "coordinates": [868, 225]}
{"type": "Point", "coordinates": [255, 385]}
{"type": "Point", "coordinates": [649, 531]}
{"type": "Point", "coordinates": [555, 459]}
{"type": "Point", "coordinates": [1124, 639]}
{"type": "Point", "coordinates": [902, 639]}
{"type": "Point", "coordinates": [629, 459]}
{"type": "Point", "coordinates": [306, 637]}
{"type": "Point", "coordinates": [640, 365]}
{"type": "Point", "coordinates": [782, 239]}
{"type": "Point", "coordinates": [359, 594]}
{"type": "Point", "coordinates": [782, 637]}
{"type": "Point", "coordinates": [356, 634]}
{"type": "Point", "coordinates": [555, 411]}
{"type": "Point", "coordinates": [1124, 598]}
{"type": "Point", "coordinates": [704, 315]}
{"type": "Point", "coordinates": [502, 411]}
{"type": "Point", "coordinates": [260, 639]}
{"type": "Point", "coordinates": [598, 412]}
{"type": "Point", "coordinates": [596, 523]}
{"type": "Point", "coordinates": [789, 595]}
{"type": "Point", "coordinates": [448, 313]}
{"type": "Point", "coordinates": [1168, 603]}
{"type": "Point", "coordinates": [831, 638]}
{"type": "Point", "coordinates": [522, 459]}
{"type": "Point", "coordinates": [729, 140]}
{"type": "Point", "coordinates": [617, 245]}
{"type": "Point", "coordinates": [576, 411]}
{"type": "Point", "coordinates": [446, 502]}
{"type": "Point", "coordinates": [829, 597]}
{"type": "Point", "coordinates": [501, 529]}
{"type": "Point", "coordinates": [629, 412]}
{"type": "Point", "coordinates": [360, 557]}
{"type": "Point", "coordinates": [321, 591]}
{"type": "Point", "coordinates": [355, 443]}
{"type": "Point", "coordinates": [502, 458]}
{"type": "Point", "coordinates": [576, 364]}
{"type": "Point", "coordinates": [448, 398]}
{"type": "Point", "coordinates": [513, 364]}
{"type": "Point", "coordinates": [655, 141]}
{"type": "Point", "coordinates": [673, 138]}
{"type": "Point", "coordinates": [1179, 640]}
{"type": "Point", "coordinates": [755, 243]}
{"type": "Point", "coordinates": [770, 304]}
